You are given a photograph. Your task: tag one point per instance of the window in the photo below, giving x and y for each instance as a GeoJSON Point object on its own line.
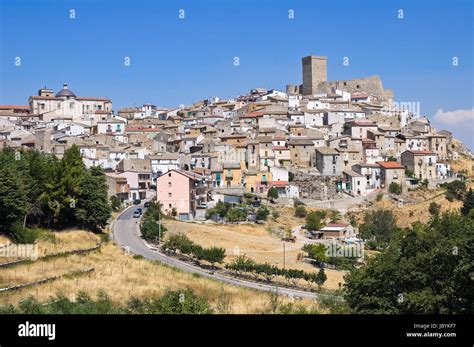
{"type": "Point", "coordinates": [71, 105]}
{"type": "Point", "coordinates": [170, 206]}
{"type": "Point", "coordinates": [169, 175]}
{"type": "Point", "coordinates": [170, 195]}
{"type": "Point", "coordinates": [169, 184]}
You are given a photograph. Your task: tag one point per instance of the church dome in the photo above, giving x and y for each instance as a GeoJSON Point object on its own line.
{"type": "Point", "coordinates": [65, 92]}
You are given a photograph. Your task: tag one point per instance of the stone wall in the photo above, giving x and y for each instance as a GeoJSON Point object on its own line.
{"type": "Point", "coordinates": [316, 187]}
{"type": "Point", "coordinates": [372, 85]}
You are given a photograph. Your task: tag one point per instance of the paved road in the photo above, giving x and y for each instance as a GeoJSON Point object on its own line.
{"type": "Point", "coordinates": [125, 231]}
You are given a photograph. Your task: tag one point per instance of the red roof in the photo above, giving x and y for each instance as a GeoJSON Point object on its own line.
{"type": "Point", "coordinates": [280, 183]}
{"type": "Point", "coordinates": [390, 164]}
{"type": "Point", "coordinates": [280, 147]}
{"type": "Point", "coordinates": [14, 107]}
{"type": "Point", "coordinates": [359, 95]}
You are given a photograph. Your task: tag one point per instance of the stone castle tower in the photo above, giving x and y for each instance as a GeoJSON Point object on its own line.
{"type": "Point", "coordinates": [314, 72]}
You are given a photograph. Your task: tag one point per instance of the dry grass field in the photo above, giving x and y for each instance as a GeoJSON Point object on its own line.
{"type": "Point", "coordinates": [121, 276]}
{"type": "Point", "coordinates": [256, 241]}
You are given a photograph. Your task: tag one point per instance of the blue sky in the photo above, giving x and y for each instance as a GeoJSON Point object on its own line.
{"type": "Point", "coordinates": [175, 61]}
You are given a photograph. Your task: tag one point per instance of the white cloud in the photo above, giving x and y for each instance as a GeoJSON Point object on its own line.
{"type": "Point", "coordinates": [459, 122]}
{"type": "Point", "coordinates": [457, 117]}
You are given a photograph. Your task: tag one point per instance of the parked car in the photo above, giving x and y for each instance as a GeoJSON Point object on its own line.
{"type": "Point", "coordinates": [147, 204]}
{"type": "Point", "coordinates": [136, 214]}
{"type": "Point", "coordinates": [137, 202]}
{"type": "Point", "coordinates": [140, 210]}
{"type": "Point", "coordinates": [202, 205]}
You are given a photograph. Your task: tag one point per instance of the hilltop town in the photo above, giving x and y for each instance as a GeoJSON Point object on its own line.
{"type": "Point", "coordinates": [318, 141]}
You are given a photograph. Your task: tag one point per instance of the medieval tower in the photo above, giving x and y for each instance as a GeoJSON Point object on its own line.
{"type": "Point", "coordinates": [314, 72]}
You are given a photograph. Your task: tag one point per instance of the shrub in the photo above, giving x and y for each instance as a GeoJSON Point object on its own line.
{"type": "Point", "coordinates": [395, 188]}
{"type": "Point", "coordinates": [454, 190]}
{"type": "Point", "coordinates": [300, 212]}
{"type": "Point", "coordinates": [115, 203]}
{"type": "Point", "coordinates": [23, 235]}
{"type": "Point", "coordinates": [236, 215]}
{"type": "Point", "coordinates": [379, 196]}
{"type": "Point", "coordinates": [262, 213]}
{"type": "Point", "coordinates": [434, 208]}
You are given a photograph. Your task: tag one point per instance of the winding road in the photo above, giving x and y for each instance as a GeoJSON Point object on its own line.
{"type": "Point", "coordinates": [126, 235]}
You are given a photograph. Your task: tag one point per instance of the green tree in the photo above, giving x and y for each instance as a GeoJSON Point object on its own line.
{"type": "Point", "coordinates": [236, 215]}
{"type": "Point", "coordinates": [93, 210]}
{"type": "Point", "coordinates": [13, 198]}
{"type": "Point", "coordinates": [214, 255]}
{"type": "Point", "coordinates": [454, 190]}
{"type": "Point", "coordinates": [300, 212]}
{"type": "Point", "coordinates": [272, 194]}
{"type": "Point", "coordinates": [468, 203]}
{"type": "Point", "coordinates": [115, 203]}
{"type": "Point", "coordinates": [313, 221]}
{"type": "Point", "coordinates": [262, 213]}
{"type": "Point", "coordinates": [434, 208]}
{"type": "Point", "coordinates": [378, 227]}
{"type": "Point", "coordinates": [321, 277]}
{"type": "Point", "coordinates": [425, 271]}
{"type": "Point", "coordinates": [316, 251]}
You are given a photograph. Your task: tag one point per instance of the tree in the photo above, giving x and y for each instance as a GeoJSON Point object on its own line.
{"type": "Point", "coordinates": [434, 208]}
{"type": "Point", "coordinates": [316, 251]}
{"type": "Point", "coordinates": [335, 217]}
{"type": "Point", "coordinates": [262, 213]}
{"type": "Point", "coordinates": [395, 188]}
{"type": "Point", "coordinates": [321, 278]}
{"type": "Point", "coordinates": [468, 203]}
{"type": "Point", "coordinates": [379, 227]}
{"type": "Point", "coordinates": [214, 255]}
{"type": "Point", "coordinates": [93, 210]}
{"type": "Point", "coordinates": [300, 212]}
{"type": "Point", "coordinates": [220, 210]}
{"type": "Point", "coordinates": [425, 271]}
{"type": "Point", "coordinates": [272, 194]}
{"type": "Point", "coordinates": [454, 190]}
{"type": "Point", "coordinates": [115, 203]}
{"type": "Point", "coordinates": [313, 221]}
{"type": "Point", "coordinates": [13, 198]}
{"type": "Point", "coordinates": [236, 215]}
{"type": "Point", "coordinates": [151, 230]}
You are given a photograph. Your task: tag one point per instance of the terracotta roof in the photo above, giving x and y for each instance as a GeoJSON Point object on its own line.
{"type": "Point", "coordinates": [390, 164]}
{"type": "Point", "coordinates": [14, 107]}
{"type": "Point", "coordinates": [280, 183]}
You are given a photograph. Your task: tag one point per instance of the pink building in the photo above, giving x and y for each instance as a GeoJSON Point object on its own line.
{"type": "Point", "coordinates": [181, 190]}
